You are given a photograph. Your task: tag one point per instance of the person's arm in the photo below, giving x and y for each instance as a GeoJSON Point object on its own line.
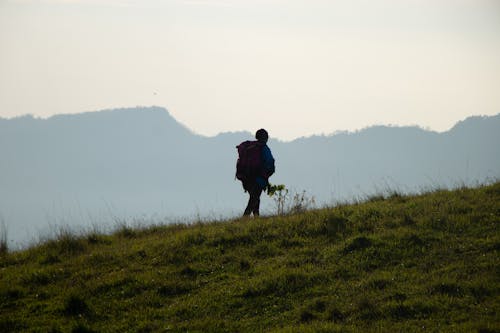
{"type": "Point", "coordinates": [268, 161]}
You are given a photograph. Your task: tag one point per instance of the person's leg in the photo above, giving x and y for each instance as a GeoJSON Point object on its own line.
{"type": "Point", "coordinates": [256, 202]}
{"type": "Point", "coordinates": [248, 210]}
{"type": "Point", "coordinates": [248, 186]}
{"type": "Point", "coordinates": [254, 192]}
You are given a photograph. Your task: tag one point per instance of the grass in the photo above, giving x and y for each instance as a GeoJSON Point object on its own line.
{"type": "Point", "coordinates": [4, 248]}
{"type": "Point", "coordinates": [394, 263]}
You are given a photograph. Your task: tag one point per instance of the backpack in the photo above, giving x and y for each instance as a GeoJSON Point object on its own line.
{"type": "Point", "coordinates": [249, 162]}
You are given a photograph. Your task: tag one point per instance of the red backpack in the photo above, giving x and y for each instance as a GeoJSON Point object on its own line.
{"type": "Point", "coordinates": [249, 162]}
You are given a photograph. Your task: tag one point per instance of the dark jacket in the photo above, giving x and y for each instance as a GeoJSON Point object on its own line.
{"type": "Point", "coordinates": [268, 167]}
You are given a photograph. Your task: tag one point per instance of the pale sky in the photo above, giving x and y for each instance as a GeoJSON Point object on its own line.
{"type": "Point", "coordinates": [295, 67]}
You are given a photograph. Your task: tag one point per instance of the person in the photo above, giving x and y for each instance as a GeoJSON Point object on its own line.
{"type": "Point", "coordinates": [256, 184]}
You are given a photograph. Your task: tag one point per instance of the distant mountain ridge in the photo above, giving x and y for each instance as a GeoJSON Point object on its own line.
{"type": "Point", "coordinates": [100, 167]}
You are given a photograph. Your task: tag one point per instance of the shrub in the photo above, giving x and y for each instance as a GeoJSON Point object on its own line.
{"type": "Point", "coordinates": [405, 311]}
{"type": "Point", "coordinates": [367, 310]}
{"type": "Point", "coordinates": [244, 265]}
{"type": "Point", "coordinates": [306, 316]}
{"type": "Point", "coordinates": [334, 225]}
{"type": "Point", "coordinates": [81, 328]}
{"type": "Point", "coordinates": [76, 306]}
{"type": "Point", "coordinates": [358, 243]}
{"type": "Point", "coordinates": [449, 289]}
{"type": "Point", "coordinates": [174, 288]}
{"type": "Point", "coordinates": [9, 325]}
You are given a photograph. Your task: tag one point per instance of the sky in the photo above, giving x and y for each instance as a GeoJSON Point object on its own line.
{"type": "Point", "coordinates": [294, 67]}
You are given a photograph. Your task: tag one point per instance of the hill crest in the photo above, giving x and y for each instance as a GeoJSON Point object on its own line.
{"type": "Point", "coordinates": [400, 263]}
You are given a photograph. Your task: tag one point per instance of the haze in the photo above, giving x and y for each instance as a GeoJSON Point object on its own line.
{"type": "Point", "coordinates": [140, 164]}
{"type": "Point", "coordinates": [295, 67]}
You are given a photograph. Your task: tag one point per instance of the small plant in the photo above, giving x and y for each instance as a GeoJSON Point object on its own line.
{"type": "Point", "coordinates": [272, 189]}
{"type": "Point", "coordinates": [280, 194]}
{"type": "Point", "coordinates": [288, 203]}
{"type": "Point", "coordinates": [301, 203]}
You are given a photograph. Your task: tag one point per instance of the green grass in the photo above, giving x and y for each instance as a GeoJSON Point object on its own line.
{"type": "Point", "coordinates": [396, 264]}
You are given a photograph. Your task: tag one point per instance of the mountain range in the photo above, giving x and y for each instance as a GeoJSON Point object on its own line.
{"type": "Point", "coordinates": [140, 164]}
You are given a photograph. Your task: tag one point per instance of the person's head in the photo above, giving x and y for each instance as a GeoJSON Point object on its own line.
{"type": "Point", "coordinates": [262, 135]}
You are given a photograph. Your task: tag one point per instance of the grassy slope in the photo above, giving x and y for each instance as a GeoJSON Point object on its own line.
{"type": "Point", "coordinates": [401, 264]}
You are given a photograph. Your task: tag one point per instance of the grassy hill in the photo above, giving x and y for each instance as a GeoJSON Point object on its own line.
{"type": "Point", "coordinates": [401, 263]}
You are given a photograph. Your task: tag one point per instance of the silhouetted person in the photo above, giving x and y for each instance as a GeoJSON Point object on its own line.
{"type": "Point", "coordinates": [255, 166]}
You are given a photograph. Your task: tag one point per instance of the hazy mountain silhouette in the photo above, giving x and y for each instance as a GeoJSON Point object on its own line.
{"type": "Point", "coordinates": [100, 167]}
